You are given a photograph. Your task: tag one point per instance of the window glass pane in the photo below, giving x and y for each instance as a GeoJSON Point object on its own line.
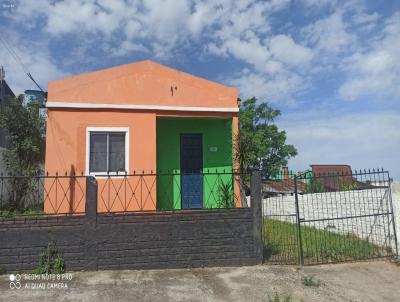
{"type": "Point", "coordinates": [117, 152]}
{"type": "Point", "coordinates": [98, 152]}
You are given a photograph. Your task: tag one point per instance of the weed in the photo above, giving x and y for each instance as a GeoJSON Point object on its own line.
{"type": "Point", "coordinates": [2, 270]}
{"type": "Point", "coordinates": [310, 281]}
{"type": "Point", "coordinates": [277, 298]}
{"type": "Point", "coordinates": [50, 261]}
{"type": "Point", "coordinates": [226, 196]}
{"type": "Point", "coordinates": [35, 210]}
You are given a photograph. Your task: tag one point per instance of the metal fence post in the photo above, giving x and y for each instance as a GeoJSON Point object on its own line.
{"type": "Point", "coordinates": [255, 191]}
{"type": "Point", "coordinates": [91, 224]}
{"type": "Point", "coordinates": [300, 243]}
{"type": "Point", "coordinates": [393, 217]}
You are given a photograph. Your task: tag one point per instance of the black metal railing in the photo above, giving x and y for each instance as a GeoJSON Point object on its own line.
{"type": "Point", "coordinates": [136, 192]}
{"type": "Point", "coordinates": [44, 194]}
{"type": "Point", "coordinates": [327, 218]}
{"type": "Point", "coordinates": [211, 189]}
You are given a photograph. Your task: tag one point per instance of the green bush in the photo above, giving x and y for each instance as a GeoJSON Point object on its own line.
{"type": "Point", "coordinates": [310, 281]}
{"type": "Point", "coordinates": [50, 261]}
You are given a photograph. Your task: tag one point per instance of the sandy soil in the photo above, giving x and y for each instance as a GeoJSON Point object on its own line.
{"type": "Point", "coordinates": [366, 281]}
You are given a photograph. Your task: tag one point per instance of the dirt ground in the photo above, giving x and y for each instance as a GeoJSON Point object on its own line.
{"type": "Point", "coordinates": [367, 281]}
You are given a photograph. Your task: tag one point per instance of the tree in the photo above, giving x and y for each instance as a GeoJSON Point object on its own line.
{"type": "Point", "coordinates": [25, 153]}
{"type": "Point", "coordinates": [259, 143]}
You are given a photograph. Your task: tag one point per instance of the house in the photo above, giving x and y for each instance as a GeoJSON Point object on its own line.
{"type": "Point", "coordinates": [5, 94]}
{"type": "Point", "coordinates": [333, 178]}
{"type": "Point", "coordinates": [282, 184]}
{"type": "Point", "coordinates": [158, 126]}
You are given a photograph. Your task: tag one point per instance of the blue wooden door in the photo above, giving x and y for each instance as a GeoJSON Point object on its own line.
{"type": "Point", "coordinates": [191, 150]}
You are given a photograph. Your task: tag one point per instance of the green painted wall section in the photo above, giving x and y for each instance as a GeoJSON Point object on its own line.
{"type": "Point", "coordinates": [217, 156]}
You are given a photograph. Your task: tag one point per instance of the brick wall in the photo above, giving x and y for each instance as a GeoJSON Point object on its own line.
{"type": "Point", "coordinates": [137, 240]}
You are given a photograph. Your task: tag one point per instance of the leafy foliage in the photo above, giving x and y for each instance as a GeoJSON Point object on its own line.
{"type": "Point", "coordinates": [50, 262]}
{"type": "Point", "coordinates": [315, 186]}
{"type": "Point", "coordinates": [33, 211]}
{"type": "Point", "coordinates": [260, 144]}
{"type": "Point", "coordinates": [25, 153]}
{"type": "Point", "coordinates": [349, 187]}
{"type": "Point", "coordinates": [226, 195]}
{"type": "Point", "coordinates": [276, 298]}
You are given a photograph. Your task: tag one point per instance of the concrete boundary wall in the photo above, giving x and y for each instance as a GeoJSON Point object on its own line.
{"type": "Point", "coordinates": [222, 237]}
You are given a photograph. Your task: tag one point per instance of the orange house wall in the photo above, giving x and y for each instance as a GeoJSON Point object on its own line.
{"type": "Point", "coordinates": [66, 154]}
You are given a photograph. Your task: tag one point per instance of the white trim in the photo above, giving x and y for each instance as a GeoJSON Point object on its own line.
{"type": "Point", "coordinates": [107, 129]}
{"type": "Point", "coordinates": [139, 107]}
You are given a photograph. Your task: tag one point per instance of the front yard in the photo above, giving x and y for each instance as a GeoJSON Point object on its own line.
{"type": "Point", "coordinates": [319, 245]}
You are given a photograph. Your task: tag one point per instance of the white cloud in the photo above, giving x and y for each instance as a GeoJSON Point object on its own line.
{"type": "Point", "coordinates": [364, 18]}
{"type": "Point", "coordinates": [329, 34]}
{"type": "Point", "coordinates": [375, 72]}
{"type": "Point", "coordinates": [275, 61]}
{"type": "Point", "coordinates": [35, 57]}
{"type": "Point", "coordinates": [363, 140]}
{"type": "Point", "coordinates": [287, 51]}
{"type": "Point", "coordinates": [319, 3]}
{"type": "Point", "coordinates": [276, 89]}
{"type": "Point", "coordinates": [280, 64]}
{"type": "Point", "coordinates": [251, 51]}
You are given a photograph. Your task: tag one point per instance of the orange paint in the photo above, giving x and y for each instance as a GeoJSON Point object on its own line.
{"type": "Point", "coordinates": [142, 83]}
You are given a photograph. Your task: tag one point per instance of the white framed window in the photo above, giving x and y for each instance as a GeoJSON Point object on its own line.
{"type": "Point", "coordinates": [107, 150]}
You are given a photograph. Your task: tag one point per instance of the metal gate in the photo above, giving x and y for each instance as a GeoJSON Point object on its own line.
{"type": "Point", "coordinates": [328, 218]}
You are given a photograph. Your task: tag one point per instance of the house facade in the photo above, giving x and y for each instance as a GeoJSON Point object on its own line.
{"type": "Point", "coordinates": [142, 120]}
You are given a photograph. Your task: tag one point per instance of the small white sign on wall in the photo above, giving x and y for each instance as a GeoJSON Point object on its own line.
{"type": "Point", "coordinates": [213, 149]}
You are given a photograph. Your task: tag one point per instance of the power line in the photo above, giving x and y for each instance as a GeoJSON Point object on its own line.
{"type": "Point", "coordinates": [17, 59]}
{"type": "Point", "coordinates": [14, 55]}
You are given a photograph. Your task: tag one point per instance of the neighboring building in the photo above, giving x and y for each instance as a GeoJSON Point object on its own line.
{"type": "Point", "coordinates": [142, 117]}
{"type": "Point", "coordinates": [5, 94]}
{"type": "Point", "coordinates": [282, 184]}
{"type": "Point", "coordinates": [320, 178]}
{"type": "Point", "coordinates": [282, 187]}
{"type": "Point", "coordinates": [331, 169]}
{"type": "Point", "coordinates": [333, 177]}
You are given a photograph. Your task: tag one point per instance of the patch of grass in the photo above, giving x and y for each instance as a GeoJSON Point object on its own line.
{"type": "Point", "coordinates": [36, 210]}
{"type": "Point", "coordinates": [319, 246]}
{"type": "Point", "coordinates": [2, 270]}
{"type": "Point", "coordinates": [310, 281]}
{"type": "Point", "coordinates": [277, 298]}
{"type": "Point", "coordinates": [280, 241]}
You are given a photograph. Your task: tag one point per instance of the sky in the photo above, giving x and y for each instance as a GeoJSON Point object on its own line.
{"type": "Point", "coordinates": [331, 67]}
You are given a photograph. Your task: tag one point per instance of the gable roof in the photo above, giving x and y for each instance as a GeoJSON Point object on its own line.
{"type": "Point", "coordinates": [145, 83]}
{"type": "Point", "coordinates": [5, 91]}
